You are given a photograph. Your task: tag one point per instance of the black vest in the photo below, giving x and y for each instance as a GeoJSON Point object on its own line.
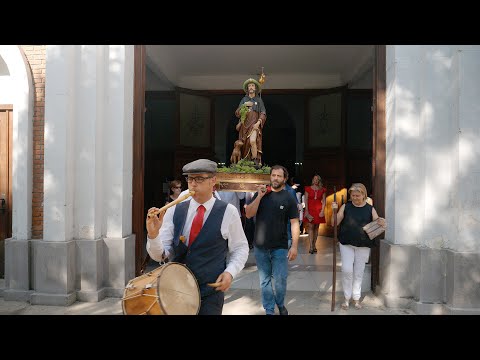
{"type": "Point", "coordinates": [207, 257]}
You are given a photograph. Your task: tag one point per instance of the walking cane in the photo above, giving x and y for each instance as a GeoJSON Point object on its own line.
{"type": "Point", "coordinates": [334, 264]}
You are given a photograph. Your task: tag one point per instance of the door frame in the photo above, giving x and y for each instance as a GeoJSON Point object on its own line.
{"type": "Point", "coordinates": [138, 218]}
{"type": "Point", "coordinates": [6, 163]}
{"type": "Point", "coordinates": [378, 150]}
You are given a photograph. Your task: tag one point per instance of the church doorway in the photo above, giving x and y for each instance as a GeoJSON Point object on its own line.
{"type": "Point", "coordinates": [298, 134]}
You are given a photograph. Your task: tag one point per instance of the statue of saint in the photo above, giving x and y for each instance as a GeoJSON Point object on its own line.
{"type": "Point", "coordinates": [252, 116]}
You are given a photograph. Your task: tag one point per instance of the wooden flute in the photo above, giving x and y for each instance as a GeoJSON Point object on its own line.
{"type": "Point", "coordinates": [170, 204]}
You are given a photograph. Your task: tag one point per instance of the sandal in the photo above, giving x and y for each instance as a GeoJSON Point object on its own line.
{"type": "Point", "coordinates": [345, 305]}
{"type": "Point", "coordinates": [315, 250]}
{"type": "Point", "coordinates": [358, 306]}
{"type": "Point", "coordinates": [311, 251]}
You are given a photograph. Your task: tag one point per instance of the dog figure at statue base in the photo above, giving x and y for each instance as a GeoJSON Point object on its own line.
{"type": "Point", "coordinates": [237, 152]}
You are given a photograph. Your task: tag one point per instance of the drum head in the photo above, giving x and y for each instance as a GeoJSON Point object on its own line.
{"type": "Point", "coordinates": [178, 292]}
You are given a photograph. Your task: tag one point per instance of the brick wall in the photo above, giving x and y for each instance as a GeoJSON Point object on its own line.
{"type": "Point", "coordinates": [36, 58]}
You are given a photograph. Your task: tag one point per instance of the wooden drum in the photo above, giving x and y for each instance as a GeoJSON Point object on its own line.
{"type": "Point", "coordinates": [170, 289]}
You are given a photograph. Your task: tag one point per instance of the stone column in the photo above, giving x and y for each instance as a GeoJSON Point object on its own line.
{"type": "Point", "coordinates": [88, 250]}
{"type": "Point", "coordinates": [54, 255]}
{"type": "Point", "coordinates": [463, 251]}
{"type": "Point", "coordinates": [118, 154]}
{"type": "Point", "coordinates": [430, 248]}
{"type": "Point", "coordinates": [88, 184]}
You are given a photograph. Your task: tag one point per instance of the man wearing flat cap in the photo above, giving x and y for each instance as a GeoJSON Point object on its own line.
{"type": "Point", "coordinates": [199, 233]}
{"type": "Point", "coordinates": [252, 116]}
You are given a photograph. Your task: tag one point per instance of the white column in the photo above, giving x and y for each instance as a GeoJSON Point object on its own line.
{"type": "Point", "coordinates": [118, 167]}
{"type": "Point", "coordinates": [433, 191]}
{"type": "Point", "coordinates": [89, 122]}
{"type": "Point", "coordinates": [404, 145]}
{"type": "Point", "coordinates": [59, 148]}
{"type": "Point", "coordinates": [54, 272]}
{"type": "Point", "coordinates": [467, 128]}
{"type": "Point", "coordinates": [432, 146]}
{"type": "Point", "coordinates": [118, 142]}
{"type": "Point", "coordinates": [437, 94]}
{"type": "Point", "coordinates": [17, 249]}
{"type": "Point", "coordinates": [21, 93]}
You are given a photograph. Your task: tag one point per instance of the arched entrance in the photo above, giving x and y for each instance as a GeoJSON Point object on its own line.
{"type": "Point", "coordinates": [16, 106]}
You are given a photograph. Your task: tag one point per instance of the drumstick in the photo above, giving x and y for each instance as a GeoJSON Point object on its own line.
{"type": "Point", "coordinates": [174, 202]}
{"type": "Point", "coordinates": [215, 284]}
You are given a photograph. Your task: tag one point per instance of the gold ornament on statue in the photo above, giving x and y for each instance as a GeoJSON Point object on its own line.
{"type": "Point", "coordinates": [262, 78]}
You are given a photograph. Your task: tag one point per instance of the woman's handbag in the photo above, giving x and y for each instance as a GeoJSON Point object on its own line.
{"type": "Point", "coordinates": [374, 229]}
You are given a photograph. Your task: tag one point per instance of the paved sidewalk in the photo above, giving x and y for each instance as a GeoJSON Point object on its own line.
{"type": "Point", "coordinates": [308, 291]}
{"type": "Point", "coordinates": [237, 302]}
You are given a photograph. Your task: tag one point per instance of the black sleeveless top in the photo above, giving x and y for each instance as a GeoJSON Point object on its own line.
{"type": "Point", "coordinates": [351, 232]}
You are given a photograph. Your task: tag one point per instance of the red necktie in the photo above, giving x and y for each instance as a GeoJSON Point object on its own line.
{"type": "Point", "coordinates": [196, 224]}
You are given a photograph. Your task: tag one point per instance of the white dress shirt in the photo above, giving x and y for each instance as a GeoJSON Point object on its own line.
{"type": "Point", "coordinates": [231, 229]}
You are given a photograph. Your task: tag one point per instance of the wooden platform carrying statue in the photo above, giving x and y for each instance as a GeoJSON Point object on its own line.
{"type": "Point", "coordinates": [252, 116]}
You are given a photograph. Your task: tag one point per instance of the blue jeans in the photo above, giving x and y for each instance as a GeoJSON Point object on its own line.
{"type": "Point", "coordinates": [272, 263]}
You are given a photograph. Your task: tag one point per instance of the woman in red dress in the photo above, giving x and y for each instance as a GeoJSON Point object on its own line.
{"type": "Point", "coordinates": [315, 196]}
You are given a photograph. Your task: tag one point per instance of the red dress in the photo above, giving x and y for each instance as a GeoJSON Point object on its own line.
{"type": "Point", "coordinates": [315, 204]}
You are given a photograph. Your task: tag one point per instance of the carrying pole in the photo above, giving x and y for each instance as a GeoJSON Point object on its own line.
{"type": "Point", "coordinates": [334, 263]}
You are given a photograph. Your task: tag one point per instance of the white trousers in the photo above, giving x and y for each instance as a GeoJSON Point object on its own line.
{"type": "Point", "coordinates": [353, 267]}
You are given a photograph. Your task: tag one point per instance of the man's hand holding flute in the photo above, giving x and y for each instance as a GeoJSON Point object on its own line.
{"type": "Point", "coordinates": [154, 221]}
{"type": "Point", "coordinates": [155, 215]}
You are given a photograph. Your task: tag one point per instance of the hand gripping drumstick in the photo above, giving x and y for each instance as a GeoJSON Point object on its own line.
{"type": "Point", "coordinates": [215, 284]}
{"type": "Point", "coordinates": [174, 202]}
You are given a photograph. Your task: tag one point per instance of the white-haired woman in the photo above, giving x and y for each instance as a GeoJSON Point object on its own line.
{"type": "Point", "coordinates": [354, 242]}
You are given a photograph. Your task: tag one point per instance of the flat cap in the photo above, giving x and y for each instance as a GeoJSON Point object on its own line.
{"type": "Point", "coordinates": [200, 166]}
